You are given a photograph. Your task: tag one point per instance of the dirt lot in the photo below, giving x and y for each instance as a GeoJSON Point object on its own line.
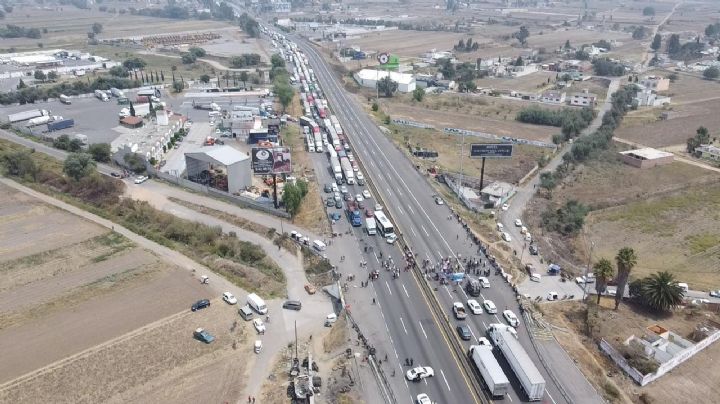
{"type": "Point", "coordinates": [534, 82]}
{"type": "Point", "coordinates": [694, 381]}
{"type": "Point", "coordinates": [69, 27]}
{"type": "Point", "coordinates": [407, 43]}
{"type": "Point", "coordinates": [692, 16]}
{"type": "Point", "coordinates": [666, 214]}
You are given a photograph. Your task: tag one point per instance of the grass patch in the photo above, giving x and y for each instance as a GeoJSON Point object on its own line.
{"type": "Point", "coordinates": [264, 231]}
{"type": "Point", "coordinates": [117, 243]}
{"type": "Point", "coordinates": [314, 264]}
{"type": "Point", "coordinates": [700, 243]}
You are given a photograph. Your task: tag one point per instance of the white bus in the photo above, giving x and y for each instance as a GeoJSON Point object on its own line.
{"type": "Point", "coordinates": [384, 226]}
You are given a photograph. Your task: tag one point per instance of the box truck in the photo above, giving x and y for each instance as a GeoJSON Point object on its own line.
{"type": "Point", "coordinates": [65, 99]}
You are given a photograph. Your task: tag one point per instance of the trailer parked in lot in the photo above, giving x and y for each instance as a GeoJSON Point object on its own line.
{"type": "Point", "coordinates": [65, 99]}
{"type": "Point", "coordinates": [527, 373]}
{"type": "Point", "coordinates": [490, 370]}
{"type": "Point", "coordinates": [60, 124]}
{"type": "Point", "coordinates": [25, 115]}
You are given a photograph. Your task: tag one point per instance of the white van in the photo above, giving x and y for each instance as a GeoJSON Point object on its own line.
{"type": "Point", "coordinates": [319, 245]}
{"type": "Point", "coordinates": [683, 286]}
{"type": "Point", "coordinates": [257, 303]}
{"type": "Point", "coordinates": [213, 113]}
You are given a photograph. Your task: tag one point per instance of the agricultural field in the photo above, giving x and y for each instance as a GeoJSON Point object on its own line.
{"type": "Point", "coordinates": [668, 214]}
{"type": "Point", "coordinates": [692, 16]}
{"type": "Point", "coordinates": [109, 315]}
{"type": "Point", "coordinates": [694, 103]}
{"type": "Point", "coordinates": [534, 82]}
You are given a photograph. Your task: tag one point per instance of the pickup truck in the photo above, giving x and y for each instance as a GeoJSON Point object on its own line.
{"type": "Point", "coordinates": [459, 311]}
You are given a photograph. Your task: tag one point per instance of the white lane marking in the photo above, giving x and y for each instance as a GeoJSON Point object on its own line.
{"type": "Point", "coordinates": [406, 293]}
{"type": "Point", "coordinates": [444, 378]}
{"type": "Point", "coordinates": [403, 324]}
{"type": "Point", "coordinates": [472, 333]}
{"type": "Point", "coordinates": [410, 208]}
{"type": "Point", "coordinates": [551, 397]}
{"type": "Point", "coordinates": [425, 380]}
{"type": "Point", "coordinates": [413, 231]}
{"type": "Point", "coordinates": [484, 325]}
{"type": "Point", "coordinates": [423, 229]}
{"type": "Point", "coordinates": [448, 292]}
{"type": "Point", "coordinates": [400, 209]}
{"type": "Point", "coordinates": [388, 287]}
{"type": "Point", "coordinates": [497, 318]}
{"type": "Point", "coordinates": [508, 396]}
{"type": "Point", "coordinates": [376, 258]}
{"type": "Point", "coordinates": [423, 330]}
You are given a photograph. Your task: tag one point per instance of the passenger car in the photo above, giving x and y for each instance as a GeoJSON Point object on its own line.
{"type": "Point", "coordinates": [292, 305]}
{"type": "Point", "coordinates": [518, 223]}
{"type": "Point", "coordinates": [391, 238]}
{"type": "Point", "coordinates": [359, 198]}
{"type": "Point", "coordinates": [489, 306]}
{"type": "Point", "coordinates": [419, 373]}
{"type": "Point", "coordinates": [202, 335]}
{"type": "Point", "coordinates": [366, 194]}
{"type": "Point", "coordinates": [259, 326]}
{"type": "Point", "coordinates": [423, 399]}
{"type": "Point", "coordinates": [229, 298]}
{"type": "Point", "coordinates": [474, 306]}
{"type": "Point", "coordinates": [140, 179]}
{"type": "Point", "coordinates": [200, 304]}
{"type": "Point", "coordinates": [484, 282]}
{"type": "Point", "coordinates": [464, 332]}
{"type": "Point", "coordinates": [511, 318]}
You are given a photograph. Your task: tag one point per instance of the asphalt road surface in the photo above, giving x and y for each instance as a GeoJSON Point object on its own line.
{"type": "Point", "coordinates": [427, 228]}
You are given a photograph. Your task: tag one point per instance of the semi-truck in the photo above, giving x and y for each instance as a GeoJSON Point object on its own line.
{"type": "Point", "coordinates": [60, 124]}
{"type": "Point", "coordinates": [101, 95]}
{"type": "Point", "coordinates": [25, 115]}
{"type": "Point", "coordinates": [492, 374]}
{"type": "Point", "coordinates": [116, 92]}
{"type": "Point", "coordinates": [318, 140]}
{"type": "Point", "coordinates": [65, 99]}
{"type": "Point", "coordinates": [337, 169]}
{"type": "Point", "coordinates": [40, 120]}
{"type": "Point", "coordinates": [347, 170]}
{"type": "Point", "coordinates": [527, 373]}
{"type": "Point", "coordinates": [353, 213]}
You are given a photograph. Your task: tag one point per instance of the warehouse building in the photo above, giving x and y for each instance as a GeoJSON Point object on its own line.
{"type": "Point", "coordinates": [646, 158]}
{"type": "Point", "coordinates": [220, 167]}
{"type": "Point", "coordinates": [369, 78]}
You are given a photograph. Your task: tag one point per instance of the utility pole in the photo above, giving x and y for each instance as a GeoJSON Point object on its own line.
{"type": "Point", "coordinates": [587, 268]}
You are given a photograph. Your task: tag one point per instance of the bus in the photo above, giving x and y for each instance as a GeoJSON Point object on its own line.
{"type": "Point", "coordinates": [383, 224]}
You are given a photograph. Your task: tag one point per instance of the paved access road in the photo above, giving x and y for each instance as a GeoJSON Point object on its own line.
{"type": "Point", "coordinates": [425, 227]}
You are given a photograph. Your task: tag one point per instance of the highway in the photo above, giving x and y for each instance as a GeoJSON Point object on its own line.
{"type": "Point", "coordinates": [426, 228]}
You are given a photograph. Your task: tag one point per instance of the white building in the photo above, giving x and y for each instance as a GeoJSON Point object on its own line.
{"type": "Point", "coordinates": [648, 98]}
{"type": "Point", "coordinates": [584, 99]}
{"type": "Point", "coordinates": [369, 78]}
{"type": "Point", "coordinates": [235, 163]}
{"type": "Point", "coordinates": [553, 97]}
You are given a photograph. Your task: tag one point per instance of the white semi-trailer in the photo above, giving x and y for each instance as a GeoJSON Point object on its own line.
{"type": "Point", "coordinates": [527, 373]}
{"type": "Point", "coordinates": [490, 370]}
{"type": "Point", "coordinates": [347, 170]}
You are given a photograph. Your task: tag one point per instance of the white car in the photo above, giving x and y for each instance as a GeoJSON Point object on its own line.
{"type": "Point", "coordinates": [141, 179]}
{"type": "Point", "coordinates": [360, 176]}
{"type": "Point", "coordinates": [334, 187]}
{"type": "Point", "coordinates": [391, 238]}
{"type": "Point", "coordinates": [518, 223]}
{"type": "Point", "coordinates": [419, 373]}
{"type": "Point", "coordinates": [523, 229]}
{"type": "Point", "coordinates": [490, 307]}
{"type": "Point", "coordinates": [484, 341]}
{"type": "Point", "coordinates": [229, 298]}
{"type": "Point", "coordinates": [484, 282]}
{"type": "Point", "coordinates": [715, 293]}
{"type": "Point", "coordinates": [511, 318]}
{"type": "Point", "coordinates": [505, 206]}
{"type": "Point", "coordinates": [378, 207]}
{"type": "Point", "coordinates": [474, 306]}
{"type": "Point", "coordinates": [423, 399]}
{"type": "Point", "coordinates": [343, 189]}
{"type": "Point", "coordinates": [506, 236]}
{"type": "Point", "coordinates": [259, 326]}
{"type": "Point", "coordinates": [528, 237]}
{"type": "Point", "coordinates": [366, 194]}
{"type": "Point", "coordinates": [359, 198]}
{"type": "Point", "coordinates": [439, 201]}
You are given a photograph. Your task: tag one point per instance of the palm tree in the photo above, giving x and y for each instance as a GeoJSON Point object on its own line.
{"type": "Point", "coordinates": [661, 292]}
{"type": "Point", "coordinates": [626, 260]}
{"type": "Point", "coordinates": [604, 271]}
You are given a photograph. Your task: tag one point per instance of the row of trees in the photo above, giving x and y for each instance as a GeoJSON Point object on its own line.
{"type": "Point", "coordinates": [16, 31]}
{"type": "Point", "coordinates": [567, 220]}
{"type": "Point", "coordinates": [281, 81]}
{"type": "Point", "coordinates": [469, 46]}
{"type": "Point", "coordinates": [245, 60]}
{"type": "Point", "coordinates": [571, 121]}
{"type": "Point", "coordinates": [607, 67]}
{"type": "Point", "coordinates": [192, 55]}
{"type": "Point", "coordinates": [702, 136]}
{"type": "Point", "coordinates": [687, 51]}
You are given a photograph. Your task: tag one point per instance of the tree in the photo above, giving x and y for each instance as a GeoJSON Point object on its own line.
{"type": "Point", "coordinates": [100, 152]}
{"type": "Point", "coordinates": [132, 109]}
{"type": "Point", "coordinates": [178, 86]}
{"type": "Point", "coordinates": [79, 165]}
{"type": "Point", "coordinates": [447, 69]}
{"type": "Point", "coordinates": [639, 32]}
{"type": "Point", "coordinates": [244, 78]}
{"type": "Point", "coordinates": [603, 271]}
{"type": "Point", "coordinates": [19, 164]}
{"type": "Point", "coordinates": [277, 61]}
{"type": "Point", "coordinates": [375, 107]}
{"type": "Point", "coordinates": [284, 93]}
{"type": "Point", "coordinates": [188, 58]}
{"type": "Point", "coordinates": [661, 292]}
{"type": "Point", "coordinates": [626, 261]}
{"type": "Point", "coordinates": [656, 43]}
{"type": "Point", "coordinates": [649, 11]}
{"type": "Point", "coordinates": [547, 181]}
{"type": "Point", "coordinates": [119, 71]}
{"type": "Point", "coordinates": [387, 86]}
{"type": "Point", "coordinates": [567, 44]}
{"type": "Point", "coordinates": [673, 44]}
{"type": "Point", "coordinates": [292, 197]}
{"type": "Point", "coordinates": [135, 163]}
{"type": "Point", "coordinates": [96, 28]}
{"type": "Point", "coordinates": [21, 84]}
{"type": "Point", "coordinates": [418, 94]}
{"type": "Point", "coordinates": [197, 52]}
{"type": "Point", "coordinates": [52, 75]}
{"type": "Point", "coordinates": [40, 75]}
{"type": "Point", "coordinates": [522, 35]}
{"type": "Point", "coordinates": [711, 73]}
{"type": "Point", "coordinates": [205, 78]}
{"type": "Point", "coordinates": [519, 61]}
{"type": "Point", "coordinates": [134, 63]}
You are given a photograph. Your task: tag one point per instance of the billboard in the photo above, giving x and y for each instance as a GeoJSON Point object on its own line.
{"type": "Point", "coordinates": [491, 150]}
{"type": "Point", "coordinates": [271, 160]}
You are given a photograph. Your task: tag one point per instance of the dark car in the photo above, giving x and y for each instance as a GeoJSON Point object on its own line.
{"type": "Point", "coordinates": [114, 174]}
{"type": "Point", "coordinates": [348, 197]}
{"type": "Point", "coordinates": [330, 202]}
{"type": "Point", "coordinates": [339, 181]}
{"type": "Point", "coordinates": [335, 216]}
{"type": "Point", "coordinates": [338, 204]}
{"type": "Point", "coordinates": [361, 205]}
{"type": "Point", "coordinates": [327, 188]}
{"type": "Point", "coordinates": [464, 332]}
{"type": "Point", "coordinates": [200, 304]}
{"type": "Point", "coordinates": [533, 249]}
{"type": "Point", "coordinates": [292, 305]}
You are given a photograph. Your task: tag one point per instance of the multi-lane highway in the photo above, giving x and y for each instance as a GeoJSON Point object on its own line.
{"type": "Point", "coordinates": [427, 228]}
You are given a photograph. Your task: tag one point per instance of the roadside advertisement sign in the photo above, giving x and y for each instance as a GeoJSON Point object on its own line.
{"type": "Point", "coordinates": [271, 160]}
{"type": "Point", "coordinates": [491, 150]}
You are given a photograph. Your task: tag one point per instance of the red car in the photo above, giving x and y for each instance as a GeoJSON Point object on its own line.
{"type": "Point", "coordinates": [369, 213]}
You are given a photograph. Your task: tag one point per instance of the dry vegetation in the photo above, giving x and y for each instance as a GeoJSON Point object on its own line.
{"type": "Point", "coordinates": [694, 381]}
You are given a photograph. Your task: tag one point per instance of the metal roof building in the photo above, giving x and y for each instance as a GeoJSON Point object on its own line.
{"type": "Point", "coordinates": [202, 163]}
{"type": "Point", "coordinates": [369, 78]}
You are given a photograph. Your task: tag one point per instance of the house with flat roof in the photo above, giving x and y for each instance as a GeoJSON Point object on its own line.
{"type": "Point", "coordinates": [553, 97]}
{"type": "Point", "coordinates": [583, 99]}
{"type": "Point", "coordinates": [369, 78]}
{"type": "Point", "coordinates": [709, 152]}
{"type": "Point", "coordinates": [647, 157]}
{"type": "Point", "coordinates": [655, 83]}
{"type": "Point", "coordinates": [497, 193]}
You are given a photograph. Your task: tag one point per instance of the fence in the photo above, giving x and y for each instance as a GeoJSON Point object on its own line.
{"type": "Point", "coordinates": [239, 200]}
{"type": "Point", "coordinates": [503, 139]}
